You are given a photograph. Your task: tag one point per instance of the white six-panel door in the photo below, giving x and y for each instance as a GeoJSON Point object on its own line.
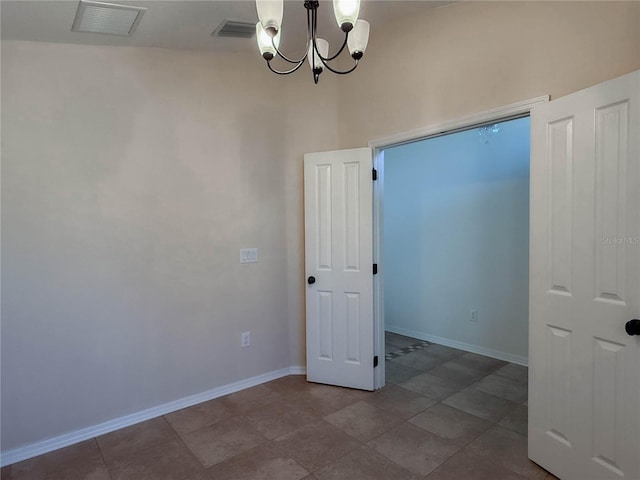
{"type": "Point", "coordinates": [338, 255]}
{"type": "Point", "coordinates": [584, 375]}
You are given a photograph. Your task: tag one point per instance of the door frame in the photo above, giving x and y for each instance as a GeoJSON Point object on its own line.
{"type": "Point", "coordinates": [499, 114]}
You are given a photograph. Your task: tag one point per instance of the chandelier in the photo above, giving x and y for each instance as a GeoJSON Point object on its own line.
{"type": "Point", "coordinates": [356, 36]}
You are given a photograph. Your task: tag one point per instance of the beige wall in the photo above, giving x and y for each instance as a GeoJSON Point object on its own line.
{"type": "Point", "coordinates": [130, 180]}
{"type": "Point", "coordinates": [469, 57]}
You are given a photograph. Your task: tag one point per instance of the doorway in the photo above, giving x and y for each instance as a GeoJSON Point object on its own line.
{"type": "Point", "coordinates": [455, 243]}
{"type": "Point", "coordinates": [456, 239]}
{"type": "Point", "coordinates": [451, 236]}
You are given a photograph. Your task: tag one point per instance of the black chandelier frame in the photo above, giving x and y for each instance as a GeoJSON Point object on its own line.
{"type": "Point", "coordinates": [312, 30]}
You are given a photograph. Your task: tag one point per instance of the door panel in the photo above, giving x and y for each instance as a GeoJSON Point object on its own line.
{"type": "Point", "coordinates": [584, 376]}
{"type": "Point", "coordinates": [338, 245]}
{"type": "Point", "coordinates": [560, 178]}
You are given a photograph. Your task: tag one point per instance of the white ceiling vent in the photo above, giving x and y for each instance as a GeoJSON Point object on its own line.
{"type": "Point", "coordinates": [235, 28]}
{"type": "Point", "coordinates": [99, 17]}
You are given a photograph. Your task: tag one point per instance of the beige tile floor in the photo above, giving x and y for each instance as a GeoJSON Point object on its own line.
{"type": "Point", "coordinates": [444, 415]}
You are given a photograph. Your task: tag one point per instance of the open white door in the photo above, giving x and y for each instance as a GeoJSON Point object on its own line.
{"type": "Point", "coordinates": [584, 369]}
{"type": "Point", "coordinates": [338, 259]}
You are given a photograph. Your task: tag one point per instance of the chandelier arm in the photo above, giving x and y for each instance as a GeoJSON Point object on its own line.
{"type": "Point", "coordinates": [306, 50]}
{"type": "Point", "coordinates": [338, 71]}
{"type": "Point", "coordinates": [286, 59]}
{"type": "Point", "coordinates": [315, 31]}
{"type": "Point", "coordinates": [325, 61]}
{"type": "Point", "coordinates": [346, 37]}
{"type": "Point", "coordinates": [285, 72]}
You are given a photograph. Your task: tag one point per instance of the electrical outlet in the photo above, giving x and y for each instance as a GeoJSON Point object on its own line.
{"type": "Point", "coordinates": [245, 339]}
{"type": "Point", "coordinates": [474, 315]}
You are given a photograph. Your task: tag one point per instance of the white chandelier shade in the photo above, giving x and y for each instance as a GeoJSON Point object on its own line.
{"type": "Point", "coordinates": [346, 12]}
{"type": "Point", "coordinates": [270, 15]}
{"type": "Point", "coordinates": [269, 27]}
{"type": "Point", "coordinates": [359, 38]}
{"type": "Point", "coordinates": [267, 43]}
{"type": "Point", "coordinates": [322, 47]}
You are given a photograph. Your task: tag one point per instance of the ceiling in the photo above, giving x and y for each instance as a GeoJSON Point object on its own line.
{"type": "Point", "coordinates": [187, 24]}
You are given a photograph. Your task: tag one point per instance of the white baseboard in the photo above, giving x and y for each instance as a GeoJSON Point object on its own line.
{"type": "Point", "coordinates": [488, 352]}
{"type": "Point", "coordinates": [45, 446]}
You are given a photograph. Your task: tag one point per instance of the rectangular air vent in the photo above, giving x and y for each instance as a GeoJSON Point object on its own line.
{"type": "Point", "coordinates": [109, 18]}
{"type": "Point", "coordinates": [236, 29]}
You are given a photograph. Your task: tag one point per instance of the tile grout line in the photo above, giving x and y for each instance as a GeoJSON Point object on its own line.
{"type": "Point", "coordinates": [95, 439]}
{"type": "Point", "coordinates": [148, 447]}
{"type": "Point", "coordinates": [408, 423]}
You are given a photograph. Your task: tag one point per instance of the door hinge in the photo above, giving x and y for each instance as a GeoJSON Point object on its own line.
{"type": "Point", "coordinates": [375, 268]}
{"type": "Point", "coordinates": [374, 174]}
{"type": "Point", "coordinates": [375, 361]}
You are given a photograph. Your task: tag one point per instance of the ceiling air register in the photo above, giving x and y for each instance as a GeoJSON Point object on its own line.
{"type": "Point", "coordinates": [99, 17]}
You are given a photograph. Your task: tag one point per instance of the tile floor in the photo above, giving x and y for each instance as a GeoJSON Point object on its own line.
{"type": "Point", "coordinates": [444, 415]}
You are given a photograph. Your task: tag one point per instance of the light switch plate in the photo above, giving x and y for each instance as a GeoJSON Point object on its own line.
{"type": "Point", "coordinates": [248, 255]}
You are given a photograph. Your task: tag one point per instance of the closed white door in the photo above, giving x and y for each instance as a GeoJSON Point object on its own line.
{"type": "Point", "coordinates": [584, 369]}
{"type": "Point", "coordinates": [338, 261]}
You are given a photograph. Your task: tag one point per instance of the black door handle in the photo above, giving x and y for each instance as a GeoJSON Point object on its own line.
{"type": "Point", "coordinates": [632, 327]}
{"type": "Point", "coordinates": [311, 280]}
